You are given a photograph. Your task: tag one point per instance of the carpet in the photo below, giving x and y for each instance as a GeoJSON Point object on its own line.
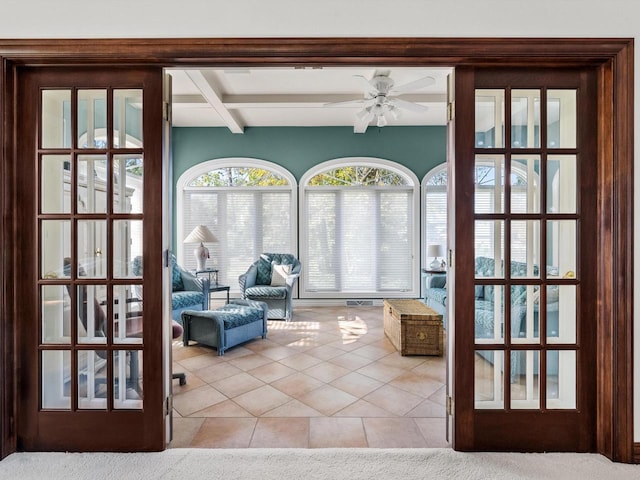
{"type": "Point", "coordinates": [312, 464]}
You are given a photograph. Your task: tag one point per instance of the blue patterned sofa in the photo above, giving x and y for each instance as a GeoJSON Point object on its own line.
{"type": "Point", "coordinates": [276, 290]}
{"type": "Point", "coordinates": [436, 298]}
{"type": "Point", "coordinates": [187, 291]}
{"type": "Point", "coordinates": [237, 322]}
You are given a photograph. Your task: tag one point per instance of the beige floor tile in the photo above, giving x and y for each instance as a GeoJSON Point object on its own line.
{"type": "Point", "coordinates": [440, 396]}
{"type": "Point", "coordinates": [237, 352]}
{"type": "Point", "coordinates": [294, 408]}
{"type": "Point", "coordinates": [326, 372]}
{"type": "Point", "coordinates": [416, 384]}
{"type": "Point", "coordinates": [351, 361]}
{"type": "Point", "coordinates": [357, 384]}
{"type": "Point", "coordinates": [347, 343]}
{"type": "Point", "coordinates": [302, 344]}
{"type": "Point", "coordinates": [324, 352]}
{"type": "Point", "coordinates": [201, 361]}
{"type": "Point", "coordinates": [393, 433]}
{"type": "Point", "coordinates": [381, 372]}
{"type": "Point", "coordinates": [197, 399]}
{"type": "Point", "coordinates": [352, 328]}
{"type": "Point", "coordinates": [193, 381]}
{"type": "Point", "coordinates": [427, 409]}
{"type": "Point", "coordinates": [249, 362]}
{"type": "Point", "coordinates": [362, 409]}
{"type": "Point", "coordinates": [224, 433]}
{"type": "Point", "coordinates": [184, 429]}
{"type": "Point", "coordinates": [352, 354]}
{"type": "Point", "coordinates": [237, 384]}
{"type": "Point", "coordinates": [331, 432]}
{"type": "Point", "coordinates": [393, 399]}
{"type": "Point", "coordinates": [281, 433]}
{"type": "Point", "coordinates": [180, 352]}
{"type": "Point", "coordinates": [371, 351]}
{"type": "Point", "coordinates": [218, 372]}
{"type": "Point", "coordinates": [271, 372]}
{"type": "Point", "coordinates": [327, 399]}
{"type": "Point", "coordinates": [260, 345]}
{"type": "Point", "coordinates": [297, 384]}
{"type": "Point", "coordinates": [396, 360]}
{"type": "Point", "coordinates": [228, 408]}
{"type": "Point", "coordinates": [433, 431]}
{"type": "Point", "coordinates": [278, 353]}
{"type": "Point", "coordinates": [431, 368]}
{"type": "Point", "coordinates": [261, 400]}
{"type": "Point", "coordinates": [300, 361]}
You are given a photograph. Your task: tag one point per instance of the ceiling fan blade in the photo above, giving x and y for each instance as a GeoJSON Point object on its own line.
{"type": "Point", "coordinates": [414, 107]}
{"type": "Point", "coordinates": [362, 120]}
{"type": "Point", "coordinates": [415, 85]}
{"type": "Point", "coordinates": [369, 88]}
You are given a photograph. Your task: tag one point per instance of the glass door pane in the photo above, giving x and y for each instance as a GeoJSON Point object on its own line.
{"type": "Point", "coordinates": [519, 247]}
{"type": "Point", "coordinates": [90, 231]}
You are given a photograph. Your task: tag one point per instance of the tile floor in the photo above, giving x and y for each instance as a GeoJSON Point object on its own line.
{"type": "Point", "coordinates": [328, 378]}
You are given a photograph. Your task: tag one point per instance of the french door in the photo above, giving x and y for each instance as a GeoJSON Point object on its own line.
{"type": "Point", "coordinates": [89, 196]}
{"type": "Point", "coordinates": [525, 260]}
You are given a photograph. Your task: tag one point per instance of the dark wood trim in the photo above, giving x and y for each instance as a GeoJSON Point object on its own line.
{"type": "Point", "coordinates": [462, 318]}
{"type": "Point", "coordinates": [318, 51]}
{"type": "Point", "coordinates": [614, 58]}
{"type": "Point", "coordinates": [636, 453]}
{"type": "Point", "coordinates": [8, 364]}
{"type": "Point", "coordinates": [615, 279]}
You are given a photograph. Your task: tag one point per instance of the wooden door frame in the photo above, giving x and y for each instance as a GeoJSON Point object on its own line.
{"type": "Point", "coordinates": [612, 57]}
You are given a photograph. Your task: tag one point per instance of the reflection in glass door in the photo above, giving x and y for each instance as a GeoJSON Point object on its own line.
{"type": "Point", "coordinates": [90, 233]}
{"type": "Point", "coordinates": [91, 181]}
{"type": "Point", "coordinates": [525, 210]}
{"type": "Point", "coordinates": [530, 337]}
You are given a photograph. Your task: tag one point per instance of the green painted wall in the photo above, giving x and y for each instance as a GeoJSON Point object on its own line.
{"type": "Point", "coordinates": [300, 148]}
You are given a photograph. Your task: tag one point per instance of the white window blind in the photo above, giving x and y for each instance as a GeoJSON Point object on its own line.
{"type": "Point", "coordinates": [359, 239]}
{"type": "Point", "coordinates": [246, 221]}
{"type": "Point", "coordinates": [435, 216]}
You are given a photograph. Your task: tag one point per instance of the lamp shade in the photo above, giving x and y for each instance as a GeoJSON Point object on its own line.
{"type": "Point", "coordinates": [435, 251]}
{"type": "Point", "coordinates": [200, 234]}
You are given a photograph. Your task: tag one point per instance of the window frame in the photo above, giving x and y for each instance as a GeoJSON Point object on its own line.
{"type": "Point", "coordinates": [413, 184]}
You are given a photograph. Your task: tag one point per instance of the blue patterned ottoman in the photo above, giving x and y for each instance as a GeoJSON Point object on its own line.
{"type": "Point", "coordinates": [237, 322]}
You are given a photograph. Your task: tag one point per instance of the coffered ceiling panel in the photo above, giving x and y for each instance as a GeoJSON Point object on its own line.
{"type": "Point", "coordinates": [236, 98]}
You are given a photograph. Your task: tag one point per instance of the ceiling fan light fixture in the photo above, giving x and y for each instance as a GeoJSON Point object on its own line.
{"type": "Point", "coordinates": [382, 121]}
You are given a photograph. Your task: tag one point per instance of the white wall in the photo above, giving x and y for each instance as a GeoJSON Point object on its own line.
{"type": "Point", "coordinates": [360, 18]}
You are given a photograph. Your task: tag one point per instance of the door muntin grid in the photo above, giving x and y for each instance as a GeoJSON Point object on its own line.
{"type": "Point", "coordinates": [90, 216]}
{"type": "Point", "coordinates": [526, 215]}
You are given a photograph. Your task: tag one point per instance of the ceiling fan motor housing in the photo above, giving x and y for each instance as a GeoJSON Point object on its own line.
{"type": "Point", "coordinates": [382, 84]}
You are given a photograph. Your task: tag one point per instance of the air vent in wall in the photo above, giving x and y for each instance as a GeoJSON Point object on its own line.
{"type": "Point", "coordinates": [359, 303]}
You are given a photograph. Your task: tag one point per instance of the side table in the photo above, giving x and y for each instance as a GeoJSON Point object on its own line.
{"type": "Point", "coordinates": [212, 283]}
{"type": "Point", "coordinates": [426, 273]}
{"type": "Point", "coordinates": [219, 288]}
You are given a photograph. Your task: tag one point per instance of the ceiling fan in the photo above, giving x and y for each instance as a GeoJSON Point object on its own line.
{"type": "Point", "coordinates": [382, 98]}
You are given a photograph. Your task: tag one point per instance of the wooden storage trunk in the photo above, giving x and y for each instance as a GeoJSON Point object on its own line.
{"type": "Point", "coordinates": [413, 328]}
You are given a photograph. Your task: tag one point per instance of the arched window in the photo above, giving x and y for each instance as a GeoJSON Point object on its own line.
{"type": "Point", "coordinates": [248, 204]}
{"type": "Point", "coordinates": [434, 210]}
{"type": "Point", "coordinates": [359, 232]}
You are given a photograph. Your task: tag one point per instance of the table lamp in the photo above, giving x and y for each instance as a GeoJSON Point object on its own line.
{"type": "Point", "coordinates": [435, 251]}
{"type": "Point", "coordinates": [201, 234]}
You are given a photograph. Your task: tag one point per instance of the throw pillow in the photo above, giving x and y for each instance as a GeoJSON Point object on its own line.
{"type": "Point", "coordinates": [279, 274]}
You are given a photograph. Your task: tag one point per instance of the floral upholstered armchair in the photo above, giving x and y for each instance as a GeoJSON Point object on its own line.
{"type": "Point", "coordinates": [271, 279]}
